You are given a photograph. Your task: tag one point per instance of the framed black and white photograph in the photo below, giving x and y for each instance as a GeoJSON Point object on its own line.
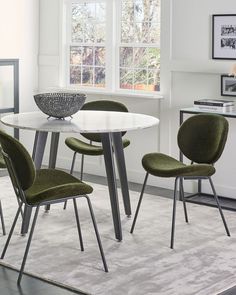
{"type": "Point", "coordinates": [224, 36]}
{"type": "Point", "coordinates": [228, 85]}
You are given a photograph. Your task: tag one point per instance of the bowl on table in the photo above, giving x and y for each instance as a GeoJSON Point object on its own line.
{"type": "Point", "coordinates": [60, 104]}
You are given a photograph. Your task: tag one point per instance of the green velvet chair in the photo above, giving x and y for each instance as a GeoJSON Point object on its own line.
{"type": "Point", "coordinates": [2, 166]}
{"type": "Point", "coordinates": [36, 188]}
{"type": "Point", "coordinates": [201, 138]}
{"type": "Point", "coordinates": [89, 148]}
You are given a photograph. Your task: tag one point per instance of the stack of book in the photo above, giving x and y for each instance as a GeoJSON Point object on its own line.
{"type": "Point", "coordinates": [215, 104]}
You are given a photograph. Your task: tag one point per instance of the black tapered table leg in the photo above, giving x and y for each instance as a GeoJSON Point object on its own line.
{"type": "Point", "coordinates": [53, 155]}
{"type": "Point", "coordinates": [112, 186]}
{"type": "Point", "coordinates": [37, 155]}
{"type": "Point", "coordinates": [120, 162]}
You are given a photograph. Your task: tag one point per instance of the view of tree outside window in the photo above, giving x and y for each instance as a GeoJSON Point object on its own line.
{"type": "Point", "coordinates": [87, 52]}
{"type": "Point", "coordinates": [138, 44]}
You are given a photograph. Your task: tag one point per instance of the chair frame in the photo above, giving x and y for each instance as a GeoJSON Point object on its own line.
{"type": "Point", "coordinates": [2, 220]}
{"type": "Point", "coordinates": [21, 196]}
{"type": "Point", "coordinates": [182, 197]}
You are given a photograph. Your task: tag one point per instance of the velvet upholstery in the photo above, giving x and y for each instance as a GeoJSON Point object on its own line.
{"type": "Point", "coordinates": [162, 165]}
{"type": "Point", "coordinates": [201, 138]}
{"type": "Point", "coordinates": [52, 184]}
{"type": "Point", "coordinates": [20, 158]}
{"type": "Point", "coordinates": [84, 148]}
{"type": "Point", "coordinates": [2, 161]}
{"type": "Point", "coordinates": [44, 184]}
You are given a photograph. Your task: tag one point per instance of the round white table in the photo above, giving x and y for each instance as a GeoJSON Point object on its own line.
{"type": "Point", "coordinates": [109, 124]}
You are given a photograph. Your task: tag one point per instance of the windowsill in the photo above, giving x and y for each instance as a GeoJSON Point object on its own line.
{"type": "Point", "coordinates": [119, 93]}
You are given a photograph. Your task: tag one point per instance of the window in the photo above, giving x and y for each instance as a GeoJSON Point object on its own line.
{"type": "Point", "coordinates": [114, 44]}
{"type": "Point", "coordinates": [139, 50]}
{"type": "Point", "coordinates": [87, 48]}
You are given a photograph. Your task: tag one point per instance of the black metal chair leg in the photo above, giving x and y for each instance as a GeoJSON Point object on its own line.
{"type": "Point", "coordinates": [78, 225]}
{"type": "Point", "coordinates": [173, 214]}
{"type": "Point", "coordinates": [82, 168]}
{"type": "Point", "coordinates": [97, 234]}
{"type": "Point", "coordinates": [28, 245]}
{"type": "Point", "coordinates": [219, 207]}
{"type": "Point", "coordinates": [139, 203]}
{"type": "Point", "coordinates": [71, 172]}
{"type": "Point", "coordinates": [2, 220]}
{"type": "Point", "coordinates": [65, 205]}
{"type": "Point", "coordinates": [183, 199]}
{"type": "Point", "coordinates": [73, 163]}
{"type": "Point", "coordinates": [11, 231]}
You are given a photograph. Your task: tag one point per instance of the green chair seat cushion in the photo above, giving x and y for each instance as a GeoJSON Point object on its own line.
{"type": "Point", "coordinates": [53, 184]}
{"type": "Point", "coordinates": [162, 165]}
{"type": "Point", "coordinates": [2, 161]}
{"type": "Point", "coordinates": [82, 147]}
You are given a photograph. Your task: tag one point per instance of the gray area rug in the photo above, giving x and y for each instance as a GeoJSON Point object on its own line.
{"type": "Point", "coordinates": [203, 262]}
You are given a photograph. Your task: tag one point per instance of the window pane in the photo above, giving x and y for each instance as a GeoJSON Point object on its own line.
{"type": "Point", "coordinates": [78, 12]}
{"type": "Point", "coordinates": [126, 56]}
{"type": "Point", "coordinates": [127, 10]}
{"type": "Point", "coordinates": [140, 79]}
{"type": "Point", "coordinates": [89, 33]}
{"type": "Point", "coordinates": [140, 13]}
{"type": "Point", "coordinates": [99, 56]}
{"type": "Point", "coordinates": [87, 55]}
{"type": "Point", "coordinates": [140, 21]}
{"type": "Point", "coordinates": [155, 11]}
{"type": "Point", "coordinates": [90, 10]}
{"type": "Point", "coordinates": [154, 33]}
{"type": "Point", "coordinates": [100, 32]}
{"type": "Point", "coordinates": [99, 80]}
{"type": "Point", "coordinates": [154, 80]}
{"type": "Point", "coordinates": [75, 55]}
{"type": "Point", "coordinates": [77, 23]}
{"type": "Point", "coordinates": [126, 79]}
{"type": "Point", "coordinates": [154, 57]}
{"type": "Point", "coordinates": [101, 12]}
{"type": "Point", "coordinates": [88, 22]}
{"type": "Point", "coordinates": [75, 75]}
{"type": "Point", "coordinates": [87, 76]}
{"type": "Point", "coordinates": [140, 57]}
{"type": "Point", "coordinates": [127, 32]}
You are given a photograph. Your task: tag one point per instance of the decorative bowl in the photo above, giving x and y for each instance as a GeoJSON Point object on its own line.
{"type": "Point", "coordinates": [59, 104]}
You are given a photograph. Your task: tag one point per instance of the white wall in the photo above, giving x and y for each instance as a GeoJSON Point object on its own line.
{"type": "Point", "coordinates": [188, 73]}
{"type": "Point", "coordinates": [19, 39]}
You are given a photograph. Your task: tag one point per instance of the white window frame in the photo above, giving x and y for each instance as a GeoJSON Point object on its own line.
{"type": "Point", "coordinates": [112, 46]}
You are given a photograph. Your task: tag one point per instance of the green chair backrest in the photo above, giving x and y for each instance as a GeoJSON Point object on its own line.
{"type": "Point", "coordinates": [2, 161]}
{"type": "Point", "coordinates": [202, 137]}
{"type": "Point", "coordinates": [102, 105]}
{"type": "Point", "coordinates": [20, 158]}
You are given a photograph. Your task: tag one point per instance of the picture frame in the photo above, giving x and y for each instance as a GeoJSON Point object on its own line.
{"type": "Point", "coordinates": [224, 36]}
{"type": "Point", "coordinates": [228, 85]}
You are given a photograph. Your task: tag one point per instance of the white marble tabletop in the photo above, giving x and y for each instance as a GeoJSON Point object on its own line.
{"type": "Point", "coordinates": [83, 121]}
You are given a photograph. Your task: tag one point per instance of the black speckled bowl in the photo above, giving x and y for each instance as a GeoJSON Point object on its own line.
{"type": "Point", "coordinates": [60, 104]}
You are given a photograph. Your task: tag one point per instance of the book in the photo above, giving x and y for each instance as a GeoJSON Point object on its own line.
{"type": "Point", "coordinates": [215, 108]}
{"type": "Point", "coordinates": [214, 102]}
